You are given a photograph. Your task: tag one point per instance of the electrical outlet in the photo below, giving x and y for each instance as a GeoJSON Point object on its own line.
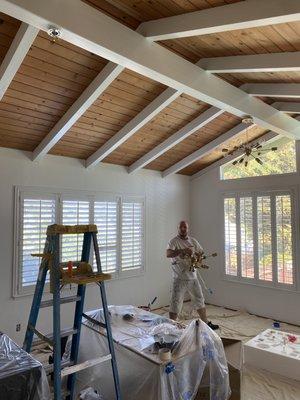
{"type": "Point", "coordinates": [18, 327]}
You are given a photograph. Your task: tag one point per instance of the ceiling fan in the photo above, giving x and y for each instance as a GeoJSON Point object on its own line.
{"type": "Point", "coordinates": [248, 150]}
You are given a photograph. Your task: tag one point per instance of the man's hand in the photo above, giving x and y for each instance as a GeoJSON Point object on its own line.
{"type": "Point", "coordinates": [179, 253]}
{"type": "Point", "coordinates": [187, 252]}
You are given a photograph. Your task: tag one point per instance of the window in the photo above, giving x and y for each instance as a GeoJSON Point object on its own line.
{"type": "Point", "coordinates": [36, 215]}
{"type": "Point", "coordinates": [230, 236]}
{"type": "Point", "coordinates": [284, 239]}
{"type": "Point", "coordinates": [106, 218]}
{"type": "Point", "coordinates": [259, 239]}
{"type": "Point", "coordinates": [74, 212]}
{"type": "Point", "coordinates": [264, 229]}
{"type": "Point", "coordinates": [246, 227]}
{"type": "Point", "coordinates": [120, 235]}
{"type": "Point", "coordinates": [132, 235]}
{"type": "Point", "coordinates": [282, 161]}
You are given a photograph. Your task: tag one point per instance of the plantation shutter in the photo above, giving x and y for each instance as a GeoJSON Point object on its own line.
{"type": "Point", "coordinates": [230, 236]}
{"type": "Point", "coordinates": [284, 239]}
{"type": "Point", "coordinates": [74, 212]}
{"type": "Point", "coordinates": [106, 218]}
{"type": "Point", "coordinates": [132, 235]}
{"type": "Point", "coordinates": [264, 227]}
{"type": "Point", "coordinates": [246, 234]}
{"type": "Point", "coordinates": [36, 214]}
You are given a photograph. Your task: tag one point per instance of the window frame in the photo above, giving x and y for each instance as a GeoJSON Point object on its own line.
{"type": "Point", "coordinates": [59, 195]}
{"type": "Point", "coordinates": [254, 194]}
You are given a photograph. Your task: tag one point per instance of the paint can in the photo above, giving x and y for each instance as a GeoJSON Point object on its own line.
{"type": "Point", "coordinates": [165, 354]}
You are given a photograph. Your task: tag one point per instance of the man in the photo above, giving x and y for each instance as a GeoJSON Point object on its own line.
{"type": "Point", "coordinates": [180, 248]}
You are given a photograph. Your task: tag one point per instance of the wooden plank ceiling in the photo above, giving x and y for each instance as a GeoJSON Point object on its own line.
{"type": "Point", "coordinates": [53, 75]}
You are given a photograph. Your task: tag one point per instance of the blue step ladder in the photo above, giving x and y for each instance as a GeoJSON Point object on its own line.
{"type": "Point", "coordinates": [62, 274]}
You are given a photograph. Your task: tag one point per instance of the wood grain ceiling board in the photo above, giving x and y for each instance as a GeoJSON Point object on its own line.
{"type": "Point", "coordinates": [129, 94]}
{"type": "Point", "coordinates": [167, 122]}
{"type": "Point", "coordinates": [217, 153]}
{"type": "Point", "coordinates": [276, 38]}
{"type": "Point", "coordinates": [212, 130]}
{"type": "Point", "coordinates": [268, 39]}
{"type": "Point", "coordinates": [132, 12]}
{"type": "Point", "coordinates": [53, 75]}
{"type": "Point", "coordinates": [50, 79]}
{"type": "Point", "coordinates": [8, 30]}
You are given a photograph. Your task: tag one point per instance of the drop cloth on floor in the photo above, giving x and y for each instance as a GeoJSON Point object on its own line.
{"type": "Point", "coordinates": [256, 384]}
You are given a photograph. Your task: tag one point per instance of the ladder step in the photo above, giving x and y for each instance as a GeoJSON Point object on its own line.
{"type": "Point", "coordinates": [86, 364]}
{"type": "Point", "coordinates": [49, 337]}
{"type": "Point", "coordinates": [63, 300]}
{"type": "Point", "coordinates": [63, 333]}
{"type": "Point", "coordinates": [40, 335]}
{"type": "Point", "coordinates": [49, 367]}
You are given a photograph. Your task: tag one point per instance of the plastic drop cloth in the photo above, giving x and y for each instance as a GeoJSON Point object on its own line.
{"type": "Point", "coordinates": [198, 358]}
{"type": "Point", "coordinates": [21, 376]}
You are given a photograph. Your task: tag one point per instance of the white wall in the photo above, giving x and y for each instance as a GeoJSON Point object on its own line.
{"type": "Point", "coordinates": [207, 226]}
{"type": "Point", "coordinates": [167, 201]}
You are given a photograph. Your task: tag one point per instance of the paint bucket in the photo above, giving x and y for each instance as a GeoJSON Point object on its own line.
{"type": "Point", "coordinates": [165, 354]}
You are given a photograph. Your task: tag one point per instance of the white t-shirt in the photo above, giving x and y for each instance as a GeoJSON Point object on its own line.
{"type": "Point", "coordinates": [181, 266]}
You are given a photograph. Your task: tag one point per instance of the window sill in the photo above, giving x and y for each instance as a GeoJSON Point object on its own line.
{"type": "Point", "coordinates": [123, 275]}
{"type": "Point", "coordinates": [129, 274]}
{"type": "Point", "coordinates": [291, 289]}
{"type": "Point", "coordinates": [30, 291]}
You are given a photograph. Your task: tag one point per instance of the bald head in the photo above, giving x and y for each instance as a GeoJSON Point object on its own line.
{"type": "Point", "coordinates": [183, 229]}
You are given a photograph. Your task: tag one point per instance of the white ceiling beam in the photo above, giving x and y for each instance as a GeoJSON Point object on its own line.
{"type": "Point", "coordinates": [141, 119]}
{"type": "Point", "coordinates": [110, 39]}
{"type": "Point", "coordinates": [105, 77]}
{"type": "Point", "coordinates": [241, 15]}
{"type": "Point", "coordinates": [16, 54]}
{"type": "Point", "coordinates": [287, 107]}
{"type": "Point", "coordinates": [284, 90]}
{"type": "Point", "coordinates": [268, 138]}
{"type": "Point", "coordinates": [193, 126]}
{"type": "Point", "coordinates": [271, 62]}
{"type": "Point", "coordinates": [206, 149]}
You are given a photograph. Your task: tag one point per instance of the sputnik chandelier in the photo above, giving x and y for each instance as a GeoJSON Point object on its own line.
{"type": "Point", "coordinates": [248, 150]}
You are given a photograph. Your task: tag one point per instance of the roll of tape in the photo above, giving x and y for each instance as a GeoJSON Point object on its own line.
{"type": "Point", "coordinates": [164, 354]}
